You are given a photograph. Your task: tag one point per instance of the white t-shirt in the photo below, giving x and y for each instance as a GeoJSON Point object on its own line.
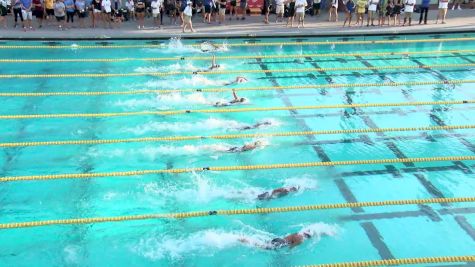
{"type": "Point", "coordinates": [372, 5]}
{"type": "Point", "coordinates": [317, 1]}
{"type": "Point", "coordinates": [408, 8]}
{"type": "Point", "coordinates": [130, 5]}
{"type": "Point", "coordinates": [188, 11]}
{"type": "Point", "coordinates": [443, 4]}
{"type": "Point", "coordinates": [106, 4]}
{"type": "Point", "coordinates": [335, 3]}
{"type": "Point", "coordinates": [156, 6]}
{"type": "Point", "coordinates": [300, 6]}
{"type": "Point", "coordinates": [279, 2]}
{"type": "Point", "coordinates": [3, 3]}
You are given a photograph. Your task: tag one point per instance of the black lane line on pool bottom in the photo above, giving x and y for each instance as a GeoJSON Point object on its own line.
{"type": "Point", "coordinates": [406, 214]}
{"type": "Point", "coordinates": [377, 240]}
{"type": "Point", "coordinates": [465, 225]}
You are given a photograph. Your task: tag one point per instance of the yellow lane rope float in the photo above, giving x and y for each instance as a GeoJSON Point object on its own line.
{"type": "Point", "coordinates": [230, 136]}
{"type": "Point", "coordinates": [217, 90]}
{"type": "Point", "coordinates": [230, 168]}
{"type": "Point", "coordinates": [443, 259]}
{"type": "Point", "coordinates": [76, 46]}
{"type": "Point", "coordinates": [183, 215]}
{"type": "Point", "coordinates": [219, 72]}
{"type": "Point", "coordinates": [283, 56]}
{"type": "Point", "coordinates": [226, 110]}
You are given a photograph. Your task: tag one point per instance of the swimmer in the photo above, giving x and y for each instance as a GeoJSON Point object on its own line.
{"type": "Point", "coordinates": [212, 67]}
{"type": "Point", "coordinates": [276, 193]}
{"type": "Point", "coordinates": [207, 46]}
{"type": "Point", "coordinates": [246, 147]}
{"type": "Point", "coordinates": [290, 241]}
{"type": "Point", "coordinates": [239, 79]}
{"type": "Point", "coordinates": [255, 126]}
{"type": "Point", "coordinates": [236, 100]}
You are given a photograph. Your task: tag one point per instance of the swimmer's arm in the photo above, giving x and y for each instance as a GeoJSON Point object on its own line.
{"type": "Point", "coordinates": [235, 95]}
{"type": "Point", "coordinates": [246, 241]}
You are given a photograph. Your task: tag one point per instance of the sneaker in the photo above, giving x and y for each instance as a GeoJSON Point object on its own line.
{"type": "Point", "coordinates": [453, 7]}
{"type": "Point", "coordinates": [459, 8]}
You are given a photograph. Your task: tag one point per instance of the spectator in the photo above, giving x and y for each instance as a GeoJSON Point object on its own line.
{"type": "Point", "coordinates": [3, 13]}
{"type": "Point", "coordinates": [107, 12]}
{"type": "Point", "coordinates": [382, 6]}
{"type": "Point", "coordinates": [360, 11]}
{"type": "Point", "coordinates": [130, 5]}
{"type": "Point", "coordinates": [243, 9]}
{"type": "Point", "coordinates": [38, 12]}
{"type": "Point", "coordinates": [70, 11]}
{"type": "Point", "coordinates": [49, 10]}
{"type": "Point", "coordinates": [208, 8]}
{"type": "Point", "coordinates": [181, 8]}
{"type": "Point", "coordinates": [457, 2]}
{"type": "Point", "coordinates": [290, 13]}
{"type": "Point", "coordinates": [390, 12]}
{"type": "Point", "coordinates": [350, 9]}
{"type": "Point", "coordinates": [26, 6]}
{"type": "Point", "coordinates": [96, 12]}
{"type": "Point", "coordinates": [60, 13]}
{"type": "Point", "coordinates": [81, 8]}
{"type": "Point", "coordinates": [443, 5]}
{"type": "Point", "coordinates": [333, 11]}
{"type": "Point", "coordinates": [397, 12]}
{"type": "Point", "coordinates": [372, 7]}
{"type": "Point", "coordinates": [140, 12]}
{"type": "Point", "coordinates": [267, 6]}
{"type": "Point", "coordinates": [424, 10]}
{"type": "Point", "coordinates": [232, 9]}
{"type": "Point", "coordinates": [316, 7]}
{"type": "Point", "coordinates": [16, 10]}
{"type": "Point", "coordinates": [156, 6]}
{"type": "Point", "coordinates": [187, 14]}
{"type": "Point", "coordinates": [222, 11]}
{"type": "Point", "coordinates": [300, 12]}
{"type": "Point", "coordinates": [408, 10]}
{"type": "Point", "coordinates": [279, 10]}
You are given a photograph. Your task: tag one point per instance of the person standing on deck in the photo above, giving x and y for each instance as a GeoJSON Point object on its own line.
{"type": "Point", "coordinates": [300, 12]}
{"type": "Point", "coordinates": [360, 10]}
{"type": "Point", "coordinates": [424, 11]}
{"type": "Point", "coordinates": [350, 9]}
{"type": "Point", "coordinates": [408, 10]}
{"type": "Point", "coordinates": [187, 14]}
{"type": "Point", "coordinates": [443, 6]}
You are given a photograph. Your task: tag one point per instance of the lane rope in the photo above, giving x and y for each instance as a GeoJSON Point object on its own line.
{"type": "Point", "coordinates": [226, 110]}
{"type": "Point", "coordinates": [217, 90]}
{"type": "Point", "coordinates": [230, 136]}
{"type": "Point", "coordinates": [405, 261]}
{"type": "Point", "coordinates": [230, 168]}
{"type": "Point", "coordinates": [220, 72]}
{"type": "Point", "coordinates": [181, 58]}
{"type": "Point", "coordinates": [76, 46]}
{"type": "Point", "coordinates": [183, 215]}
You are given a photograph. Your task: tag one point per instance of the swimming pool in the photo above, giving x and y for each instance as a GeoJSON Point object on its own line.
{"type": "Point", "coordinates": [118, 91]}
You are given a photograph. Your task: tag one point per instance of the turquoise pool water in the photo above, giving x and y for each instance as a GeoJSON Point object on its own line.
{"type": "Point", "coordinates": [368, 233]}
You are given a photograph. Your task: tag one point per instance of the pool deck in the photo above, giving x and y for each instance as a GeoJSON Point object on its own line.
{"type": "Point", "coordinates": [463, 20]}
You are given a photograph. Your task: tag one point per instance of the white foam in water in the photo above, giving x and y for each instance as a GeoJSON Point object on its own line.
{"type": "Point", "coordinates": [71, 254]}
{"type": "Point", "coordinates": [205, 243]}
{"type": "Point", "coordinates": [193, 81]}
{"type": "Point", "coordinates": [210, 241]}
{"type": "Point", "coordinates": [305, 182]}
{"type": "Point", "coordinates": [203, 191]}
{"type": "Point", "coordinates": [178, 66]}
{"type": "Point", "coordinates": [161, 101]}
{"type": "Point", "coordinates": [208, 124]}
{"type": "Point", "coordinates": [317, 230]}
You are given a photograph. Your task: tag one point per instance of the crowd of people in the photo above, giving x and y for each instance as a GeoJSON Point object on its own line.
{"type": "Point", "coordinates": [112, 13]}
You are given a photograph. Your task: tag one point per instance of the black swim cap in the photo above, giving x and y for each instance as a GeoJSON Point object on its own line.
{"type": "Point", "coordinates": [278, 242]}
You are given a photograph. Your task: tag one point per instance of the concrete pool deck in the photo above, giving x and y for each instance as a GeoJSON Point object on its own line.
{"type": "Point", "coordinates": [458, 21]}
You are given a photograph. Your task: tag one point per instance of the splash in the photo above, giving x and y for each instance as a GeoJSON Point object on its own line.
{"type": "Point", "coordinates": [208, 124]}
{"type": "Point", "coordinates": [204, 190]}
{"type": "Point", "coordinates": [161, 101]}
{"type": "Point", "coordinates": [318, 230]}
{"type": "Point", "coordinates": [188, 66]}
{"type": "Point", "coordinates": [194, 81]}
{"type": "Point", "coordinates": [305, 182]}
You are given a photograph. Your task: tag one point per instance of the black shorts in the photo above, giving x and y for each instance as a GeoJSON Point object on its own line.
{"type": "Point", "coordinates": [316, 6]}
{"type": "Point", "coordinates": [208, 9]}
{"type": "Point", "coordinates": [233, 3]}
{"type": "Point", "coordinates": [60, 18]}
{"type": "Point", "coordinates": [140, 10]}
{"type": "Point", "coordinates": [3, 11]}
{"type": "Point", "coordinates": [50, 12]}
{"type": "Point", "coordinates": [39, 14]}
{"type": "Point", "coordinates": [82, 14]}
